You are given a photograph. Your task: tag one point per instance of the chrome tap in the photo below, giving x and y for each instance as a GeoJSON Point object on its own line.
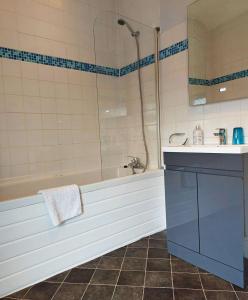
{"type": "Point", "coordinates": [135, 163]}
{"type": "Point", "coordinates": [222, 135]}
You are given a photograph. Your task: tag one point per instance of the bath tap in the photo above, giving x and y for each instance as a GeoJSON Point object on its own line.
{"type": "Point", "coordinates": [135, 163]}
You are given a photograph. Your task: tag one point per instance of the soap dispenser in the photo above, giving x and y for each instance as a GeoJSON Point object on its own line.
{"type": "Point", "coordinates": [198, 135]}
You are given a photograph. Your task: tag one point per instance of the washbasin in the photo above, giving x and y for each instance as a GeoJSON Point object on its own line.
{"type": "Point", "coordinates": [228, 149]}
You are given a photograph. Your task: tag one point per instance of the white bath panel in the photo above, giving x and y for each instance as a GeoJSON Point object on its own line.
{"type": "Point", "coordinates": [116, 213]}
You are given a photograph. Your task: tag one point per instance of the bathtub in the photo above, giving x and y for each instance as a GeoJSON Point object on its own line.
{"type": "Point", "coordinates": [116, 212]}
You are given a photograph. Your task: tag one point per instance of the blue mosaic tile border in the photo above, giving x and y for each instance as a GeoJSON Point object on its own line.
{"type": "Point", "coordinates": [174, 49]}
{"type": "Point", "coordinates": [148, 60]}
{"type": "Point", "coordinates": [86, 67]}
{"type": "Point", "coordinates": [229, 77]}
{"type": "Point", "coordinates": [56, 61]}
{"type": "Point", "coordinates": [198, 81]}
{"type": "Point", "coordinates": [218, 80]}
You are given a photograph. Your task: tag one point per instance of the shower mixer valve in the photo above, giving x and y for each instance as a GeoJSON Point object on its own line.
{"type": "Point", "coordinates": [135, 163]}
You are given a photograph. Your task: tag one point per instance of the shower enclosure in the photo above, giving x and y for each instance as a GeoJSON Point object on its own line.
{"type": "Point", "coordinates": [128, 118]}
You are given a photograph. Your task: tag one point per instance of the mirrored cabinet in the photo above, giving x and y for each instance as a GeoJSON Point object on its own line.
{"type": "Point", "coordinates": [218, 51]}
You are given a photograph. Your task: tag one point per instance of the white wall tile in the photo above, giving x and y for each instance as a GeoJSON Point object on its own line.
{"type": "Point", "coordinates": [17, 138]}
{"type": "Point", "coordinates": [49, 121]}
{"type": "Point", "coordinates": [30, 87]}
{"type": "Point", "coordinates": [4, 157]}
{"type": "Point", "coordinates": [48, 105]}
{"type": "Point", "coordinates": [11, 67]}
{"type": "Point", "coordinates": [61, 90]}
{"type": "Point", "coordinates": [47, 89]}
{"type": "Point", "coordinates": [46, 73]}
{"type": "Point", "coordinates": [34, 138]}
{"type": "Point", "coordinates": [29, 70]}
{"type": "Point", "coordinates": [16, 121]}
{"type": "Point", "coordinates": [32, 104]}
{"type": "Point", "coordinates": [33, 121]}
{"type": "Point", "coordinates": [13, 85]}
{"type": "Point", "coordinates": [19, 170]}
{"type": "Point", "coordinates": [18, 156]}
{"type": "Point", "coordinates": [14, 103]}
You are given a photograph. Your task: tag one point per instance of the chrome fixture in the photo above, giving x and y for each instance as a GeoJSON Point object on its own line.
{"type": "Point", "coordinates": [178, 134]}
{"type": "Point", "coordinates": [136, 35]}
{"type": "Point", "coordinates": [222, 135]}
{"type": "Point", "coordinates": [135, 163]}
{"type": "Point", "coordinates": [133, 33]}
{"type": "Point", "coordinates": [157, 94]}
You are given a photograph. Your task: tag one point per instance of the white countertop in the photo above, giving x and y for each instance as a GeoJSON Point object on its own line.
{"type": "Point", "coordinates": [228, 149]}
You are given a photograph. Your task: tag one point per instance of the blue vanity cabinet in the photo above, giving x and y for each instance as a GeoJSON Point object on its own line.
{"type": "Point", "coordinates": [220, 218]}
{"type": "Point", "coordinates": [181, 209]}
{"type": "Point", "coordinates": [206, 199]}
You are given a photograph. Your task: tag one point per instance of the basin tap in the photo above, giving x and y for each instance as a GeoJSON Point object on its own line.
{"type": "Point", "coordinates": [222, 135]}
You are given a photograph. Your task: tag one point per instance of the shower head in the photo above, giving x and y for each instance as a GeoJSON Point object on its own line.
{"type": "Point", "coordinates": [123, 22]}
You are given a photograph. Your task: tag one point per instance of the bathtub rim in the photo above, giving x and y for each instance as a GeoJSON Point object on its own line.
{"type": "Point", "coordinates": [37, 198]}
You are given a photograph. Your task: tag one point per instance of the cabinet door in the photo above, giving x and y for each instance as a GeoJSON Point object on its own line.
{"type": "Point", "coordinates": [221, 221]}
{"type": "Point", "coordinates": [182, 208]}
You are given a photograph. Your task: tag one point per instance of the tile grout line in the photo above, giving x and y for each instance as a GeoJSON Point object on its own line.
{"type": "Point", "coordinates": [119, 273]}
{"type": "Point", "coordinates": [235, 292]}
{"type": "Point", "coordinates": [143, 294]}
{"type": "Point", "coordinates": [60, 285]}
{"type": "Point", "coordinates": [91, 278]}
{"type": "Point", "coordinates": [172, 285]}
{"type": "Point", "coordinates": [205, 296]}
{"type": "Point", "coordinates": [23, 297]}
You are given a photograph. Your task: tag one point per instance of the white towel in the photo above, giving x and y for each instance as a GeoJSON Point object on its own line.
{"type": "Point", "coordinates": [63, 203]}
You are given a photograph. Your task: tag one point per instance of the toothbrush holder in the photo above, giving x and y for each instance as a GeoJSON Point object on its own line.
{"type": "Point", "coordinates": [238, 136]}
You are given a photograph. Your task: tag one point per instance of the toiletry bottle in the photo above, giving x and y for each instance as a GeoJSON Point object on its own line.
{"type": "Point", "coordinates": [198, 135]}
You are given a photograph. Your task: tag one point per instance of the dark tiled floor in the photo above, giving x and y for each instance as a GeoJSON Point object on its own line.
{"type": "Point", "coordinates": [141, 271]}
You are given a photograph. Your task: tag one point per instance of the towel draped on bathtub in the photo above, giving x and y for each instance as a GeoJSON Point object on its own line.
{"type": "Point", "coordinates": [63, 203]}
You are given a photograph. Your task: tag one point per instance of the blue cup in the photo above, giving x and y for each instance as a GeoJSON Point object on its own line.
{"type": "Point", "coordinates": [238, 136]}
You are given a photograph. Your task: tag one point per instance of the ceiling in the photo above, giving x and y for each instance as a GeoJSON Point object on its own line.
{"type": "Point", "coordinates": [173, 12]}
{"type": "Point", "coordinates": [213, 14]}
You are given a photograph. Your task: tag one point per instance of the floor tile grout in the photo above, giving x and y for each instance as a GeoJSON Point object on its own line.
{"type": "Point", "coordinates": [205, 296]}
{"type": "Point", "coordinates": [60, 285]}
{"type": "Point", "coordinates": [163, 281]}
{"type": "Point", "coordinates": [235, 292]}
{"type": "Point", "coordinates": [119, 273]}
{"type": "Point", "coordinates": [143, 292]}
{"type": "Point", "coordinates": [172, 284]}
{"type": "Point", "coordinates": [91, 278]}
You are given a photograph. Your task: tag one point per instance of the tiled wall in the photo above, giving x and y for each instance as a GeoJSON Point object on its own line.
{"type": "Point", "coordinates": [177, 115]}
{"type": "Point", "coordinates": [49, 122]}
{"type": "Point", "coordinates": [49, 115]}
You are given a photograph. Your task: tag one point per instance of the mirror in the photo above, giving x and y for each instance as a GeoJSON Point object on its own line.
{"type": "Point", "coordinates": [218, 50]}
